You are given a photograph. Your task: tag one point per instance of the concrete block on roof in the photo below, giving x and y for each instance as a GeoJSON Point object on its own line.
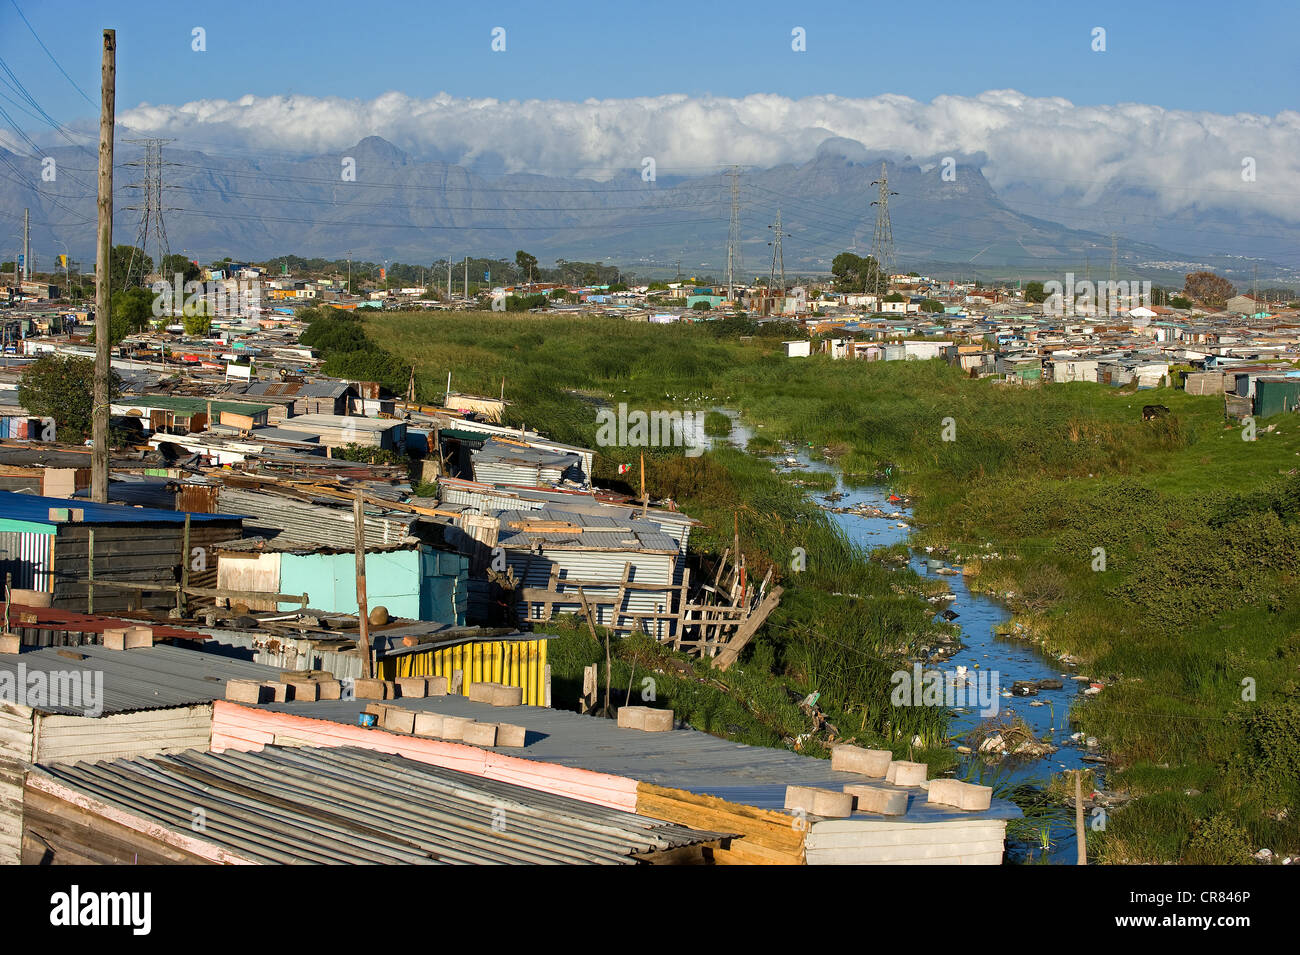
{"type": "Point", "coordinates": [903, 773]}
{"type": "Point", "coordinates": [818, 802]}
{"type": "Point", "coordinates": [865, 762]}
{"type": "Point", "coordinates": [114, 638]}
{"type": "Point", "coordinates": [244, 691]}
{"type": "Point", "coordinates": [303, 690]}
{"type": "Point", "coordinates": [428, 724]}
{"type": "Point", "coordinates": [329, 689]}
{"type": "Point", "coordinates": [510, 735]}
{"type": "Point", "coordinates": [962, 795]}
{"type": "Point", "coordinates": [10, 643]}
{"type": "Point", "coordinates": [412, 686]}
{"type": "Point", "coordinates": [275, 691]}
{"type": "Point", "coordinates": [137, 637]}
{"type": "Point", "coordinates": [435, 686]}
{"type": "Point", "coordinates": [480, 692]}
{"type": "Point", "coordinates": [364, 689]}
{"type": "Point", "coordinates": [877, 799]}
{"type": "Point", "coordinates": [480, 734]}
{"type": "Point", "coordinates": [398, 719]}
{"type": "Point", "coordinates": [648, 718]}
{"type": "Point", "coordinates": [453, 727]}
{"type": "Point", "coordinates": [502, 695]}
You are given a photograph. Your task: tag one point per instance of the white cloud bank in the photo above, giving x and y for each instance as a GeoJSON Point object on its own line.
{"type": "Point", "coordinates": [1186, 160]}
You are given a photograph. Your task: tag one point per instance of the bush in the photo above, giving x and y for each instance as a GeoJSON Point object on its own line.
{"type": "Point", "coordinates": [1218, 841]}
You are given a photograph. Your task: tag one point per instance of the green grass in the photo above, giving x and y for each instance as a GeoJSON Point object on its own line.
{"type": "Point", "coordinates": [1200, 530]}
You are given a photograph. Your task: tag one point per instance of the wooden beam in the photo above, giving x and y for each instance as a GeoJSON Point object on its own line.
{"type": "Point", "coordinates": [745, 632]}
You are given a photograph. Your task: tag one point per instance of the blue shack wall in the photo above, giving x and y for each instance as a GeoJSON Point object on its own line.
{"type": "Point", "coordinates": [421, 584]}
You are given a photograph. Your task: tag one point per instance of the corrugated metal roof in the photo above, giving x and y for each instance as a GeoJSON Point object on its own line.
{"type": "Point", "coordinates": [682, 759]}
{"type": "Point", "coordinates": [145, 679]}
{"type": "Point", "coordinates": [287, 520]}
{"type": "Point", "coordinates": [353, 806]}
{"type": "Point", "coordinates": [599, 532]}
{"type": "Point", "coordinates": [36, 510]}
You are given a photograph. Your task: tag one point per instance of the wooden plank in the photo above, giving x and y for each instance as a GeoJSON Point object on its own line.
{"type": "Point", "coordinates": [745, 632]}
{"type": "Point", "coordinates": [764, 827]}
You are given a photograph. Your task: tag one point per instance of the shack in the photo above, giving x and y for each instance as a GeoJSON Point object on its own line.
{"type": "Point", "coordinates": [59, 706]}
{"type": "Point", "coordinates": [89, 556]}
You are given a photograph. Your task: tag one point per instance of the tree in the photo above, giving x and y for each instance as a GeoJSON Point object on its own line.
{"type": "Point", "coordinates": [1035, 293]}
{"type": "Point", "coordinates": [527, 263]}
{"type": "Point", "coordinates": [854, 273]}
{"type": "Point", "coordinates": [62, 387]}
{"type": "Point", "coordinates": [120, 260]}
{"type": "Point", "coordinates": [701, 306]}
{"type": "Point", "coordinates": [134, 307]}
{"type": "Point", "coordinates": [932, 305]}
{"type": "Point", "coordinates": [1212, 291]}
{"type": "Point", "coordinates": [177, 263]}
{"type": "Point", "coordinates": [1180, 301]}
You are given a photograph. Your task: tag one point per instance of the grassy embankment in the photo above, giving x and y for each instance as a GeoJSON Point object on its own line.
{"type": "Point", "coordinates": [1199, 530]}
{"type": "Point", "coordinates": [844, 647]}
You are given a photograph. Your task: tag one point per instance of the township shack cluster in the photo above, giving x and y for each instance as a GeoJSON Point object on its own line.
{"type": "Point", "coordinates": [256, 626]}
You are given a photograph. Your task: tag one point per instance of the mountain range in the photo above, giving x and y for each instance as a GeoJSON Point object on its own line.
{"type": "Point", "coordinates": [388, 205]}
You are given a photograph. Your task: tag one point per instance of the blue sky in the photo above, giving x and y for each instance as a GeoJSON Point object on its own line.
{"type": "Point", "coordinates": [1193, 55]}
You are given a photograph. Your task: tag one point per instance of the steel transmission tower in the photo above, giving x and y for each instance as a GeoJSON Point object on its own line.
{"type": "Point", "coordinates": [734, 262]}
{"type": "Point", "coordinates": [882, 243]}
{"type": "Point", "coordinates": [151, 209]}
{"type": "Point", "coordinates": [778, 257]}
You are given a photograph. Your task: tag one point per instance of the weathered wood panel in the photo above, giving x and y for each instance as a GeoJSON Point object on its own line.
{"type": "Point", "coordinates": [15, 757]}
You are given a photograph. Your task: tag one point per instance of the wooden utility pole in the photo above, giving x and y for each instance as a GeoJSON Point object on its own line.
{"type": "Point", "coordinates": [645, 500]}
{"type": "Point", "coordinates": [363, 612]}
{"type": "Point", "coordinates": [103, 295]}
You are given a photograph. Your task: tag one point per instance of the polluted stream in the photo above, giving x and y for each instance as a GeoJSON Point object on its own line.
{"type": "Point", "coordinates": [985, 658]}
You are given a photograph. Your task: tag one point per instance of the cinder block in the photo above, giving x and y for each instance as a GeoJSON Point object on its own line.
{"type": "Point", "coordinates": [887, 802]}
{"type": "Point", "coordinates": [865, 762]}
{"type": "Point", "coordinates": [631, 717]}
{"type": "Point", "coordinates": [954, 792]}
{"type": "Point", "coordinates": [375, 709]}
{"type": "Point", "coordinates": [480, 692]}
{"type": "Point", "coordinates": [303, 690]}
{"type": "Point", "coordinates": [10, 643]}
{"type": "Point", "coordinates": [398, 719]}
{"type": "Point", "coordinates": [508, 735]}
{"type": "Point", "coordinates": [819, 802]}
{"type": "Point", "coordinates": [137, 637]}
{"type": "Point", "coordinates": [329, 690]}
{"type": "Point", "coordinates": [428, 724]}
{"type": "Point", "coordinates": [435, 686]}
{"type": "Point", "coordinates": [480, 734]}
{"type": "Point", "coordinates": [503, 695]}
{"type": "Point", "coordinates": [453, 727]}
{"type": "Point", "coordinates": [364, 689]}
{"type": "Point", "coordinates": [833, 805]}
{"type": "Point", "coordinates": [657, 721]}
{"type": "Point", "coordinates": [412, 686]}
{"type": "Point", "coordinates": [648, 718]}
{"type": "Point", "coordinates": [244, 691]}
{"type": "Point", "coordinates": [275, 691]}
{"type": "Point", "coordinates": [115, 638]}
{"type": "Point", "coordinates": [799, 797]}
{"type": "Point", "coordinates": [903, 773]}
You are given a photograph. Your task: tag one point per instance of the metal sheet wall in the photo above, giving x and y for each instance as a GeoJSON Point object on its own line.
{"type": "Point", "coordinates": [30, 558]}
{"type": "Point", "coordinates": [520, 663]}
